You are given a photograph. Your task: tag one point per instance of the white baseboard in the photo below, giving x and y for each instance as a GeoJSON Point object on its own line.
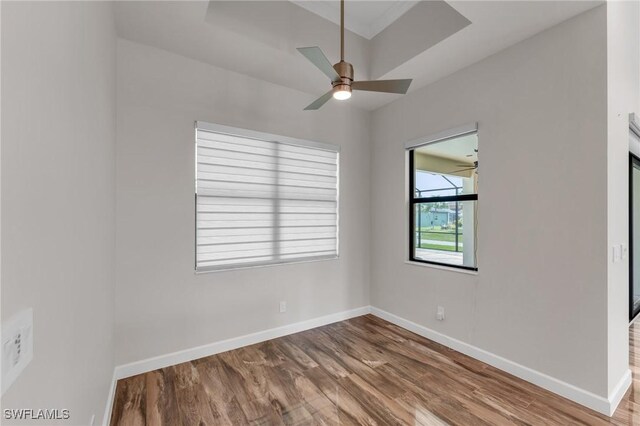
{"type": "Point", "coordinates": [162, 361]}
{"type": "Point", "coordinates": [112, 392]}
{"type": "Point", "coordinates": [598, 403]}
{"type": "Point", "coordinates": [618, 392]}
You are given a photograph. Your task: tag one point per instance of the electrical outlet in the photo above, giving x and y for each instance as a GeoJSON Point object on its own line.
{"type": "Point", "coordinates": [17, 346]}
{"type": "Point", "coordinates": [440, 313]}
{"type": "Point", "coordinates": [283, 306]}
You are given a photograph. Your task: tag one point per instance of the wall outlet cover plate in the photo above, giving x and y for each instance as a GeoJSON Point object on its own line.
{"type": "Point", "coordinates": [16, 346]}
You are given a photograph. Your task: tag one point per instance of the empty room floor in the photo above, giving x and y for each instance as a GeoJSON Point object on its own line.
{"type": "Point", "coordinates": [360, 371]}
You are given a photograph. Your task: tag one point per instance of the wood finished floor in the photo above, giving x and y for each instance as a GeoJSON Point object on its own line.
{"type": "Point", "coordinates": [361, 371]}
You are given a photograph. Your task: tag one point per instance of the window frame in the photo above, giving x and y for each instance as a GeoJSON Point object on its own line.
{"type": "Point", "coordinates": [279, 139]}
{"type": "Point", "coordinates": [634, 160]}
{"type": "Point", "coordinates": [413, 201]}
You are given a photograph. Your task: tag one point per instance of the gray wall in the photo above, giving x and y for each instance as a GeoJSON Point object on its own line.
{"type": "Point", "coordinates": [539, 298]}
{"type": "Point", "coordinates": [58, 199]}
{"type": "Point", "coordinates": [542, 107]}
{"type": "Point", "coordinates": [161, 305]}
{"type": "Point", "coordinates": [623, 97]}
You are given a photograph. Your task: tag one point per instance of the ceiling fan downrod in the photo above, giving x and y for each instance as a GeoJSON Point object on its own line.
{"type": "Point", "coordinates": [341, 30]}
{"type": "Point", "coordinates": [342, 87]}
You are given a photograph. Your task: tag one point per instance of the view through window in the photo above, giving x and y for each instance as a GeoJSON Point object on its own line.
{"type": "Point", "coordinates": [443, 198]}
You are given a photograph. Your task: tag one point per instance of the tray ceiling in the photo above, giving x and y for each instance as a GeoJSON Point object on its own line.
{"type": "Point", "coordinates": [259, 38]}
{"type": "Point", "coordinates": [365, 18]}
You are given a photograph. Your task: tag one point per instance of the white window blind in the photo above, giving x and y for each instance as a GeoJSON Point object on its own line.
{"type": "Point", "coordinates": [263, 199]}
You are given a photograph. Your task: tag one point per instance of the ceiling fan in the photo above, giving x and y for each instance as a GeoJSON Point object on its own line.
{"type": "Point", "coordinates": [341, 74]}
{"type": "Point", "coordinates": [468, 167]}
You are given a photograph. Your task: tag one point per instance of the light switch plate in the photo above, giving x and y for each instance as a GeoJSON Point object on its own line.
{"type": "Point", "coordinates": [16, 346]}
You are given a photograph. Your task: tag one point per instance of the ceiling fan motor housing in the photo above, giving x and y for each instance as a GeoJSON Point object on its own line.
{"type": "Point", "coordinates": [345, 71]}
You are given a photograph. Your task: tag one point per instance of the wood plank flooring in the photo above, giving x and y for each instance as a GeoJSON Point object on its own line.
{"type": "Point", "coordinates": [364, 371]}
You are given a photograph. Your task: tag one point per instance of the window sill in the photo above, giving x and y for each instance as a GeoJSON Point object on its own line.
{"type": "Point", "coordinates": [263, 265]}
{"type": "Point", "coordinates": [442, 267]}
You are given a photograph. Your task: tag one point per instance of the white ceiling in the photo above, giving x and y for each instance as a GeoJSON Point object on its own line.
{"type": "Point", "coordinates": [259, 38]}
{"type": "Point", "coordinates": [458, 149]}
{"type": "Point", "coordinates": [365, 18]}
{"type": "Point", "coordinates": [495, 26]}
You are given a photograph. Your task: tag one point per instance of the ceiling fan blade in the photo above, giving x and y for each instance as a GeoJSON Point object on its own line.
{"type": "Point", "coordinates": [317, 58]}
{"type": "Point", "coordinates": [320, 101]}
{"type": "Point", "coordinates": [387, 86]}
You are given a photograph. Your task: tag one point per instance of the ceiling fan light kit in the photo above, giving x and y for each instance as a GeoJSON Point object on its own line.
{"type": "Point", "coordinates": [342, 87]}
{"type": "Point", "coordinates": [341, 74]}
{"type": "Point", "coordinates": [341, 92]}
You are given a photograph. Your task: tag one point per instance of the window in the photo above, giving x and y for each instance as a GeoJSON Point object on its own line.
{"type": "Point", "coordinates": [263, 199]}
{"type": "Point", "coordinates": [443, 195]}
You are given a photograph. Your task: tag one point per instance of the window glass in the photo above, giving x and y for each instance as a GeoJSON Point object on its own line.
{"type": "Point", "coordinates": [443, 197]}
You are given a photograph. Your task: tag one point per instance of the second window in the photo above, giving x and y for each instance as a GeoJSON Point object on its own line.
{"type": "Point", "coordinates": [443, 197]}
